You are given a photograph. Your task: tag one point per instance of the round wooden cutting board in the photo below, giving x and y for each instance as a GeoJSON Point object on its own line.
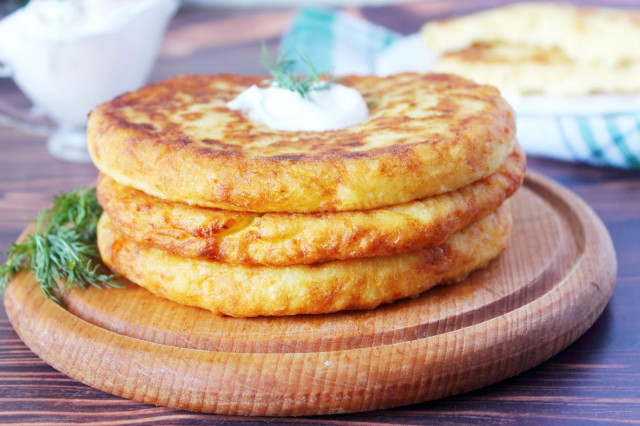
{"type": "Point", "coordinates": [540, 295]}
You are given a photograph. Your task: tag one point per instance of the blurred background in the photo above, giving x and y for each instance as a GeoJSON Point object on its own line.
{"type": "Point", "coordinates": [211, 36]}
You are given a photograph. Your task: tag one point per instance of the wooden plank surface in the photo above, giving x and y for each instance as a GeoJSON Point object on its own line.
{"type": "Point", "coordinates": [595, 380]}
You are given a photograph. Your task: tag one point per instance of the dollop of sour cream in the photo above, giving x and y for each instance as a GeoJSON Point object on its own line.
{"type": "Point", "coordinates": [332, 108]}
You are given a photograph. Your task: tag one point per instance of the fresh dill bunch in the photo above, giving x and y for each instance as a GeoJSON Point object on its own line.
{"type": "Point", "coordinates": [62, 247]}
{"type": "Point", "coordinates": [284, 76]}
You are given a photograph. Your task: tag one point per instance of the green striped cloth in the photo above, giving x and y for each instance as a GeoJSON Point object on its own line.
{"type": "Point", "coordinates": [336, 41]}
{"type": "Point", "coordinates": [343, 44]}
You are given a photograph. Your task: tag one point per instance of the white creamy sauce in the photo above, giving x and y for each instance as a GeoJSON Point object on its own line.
{"type": "Point", "coordinates": [67, 56]}
{"type": "Point", "coordinates": [280, 109]}
{"type": "Point", "coordinates": [73, 18]}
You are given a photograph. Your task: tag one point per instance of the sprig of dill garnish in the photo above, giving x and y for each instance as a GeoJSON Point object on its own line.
{"type": "Point", "coordinates": [284, 75]}
{"type": "Point", "coordinates": [62, 248]}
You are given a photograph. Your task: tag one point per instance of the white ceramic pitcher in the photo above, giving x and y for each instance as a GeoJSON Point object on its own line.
{"type": "Point", "coordinates": [69, 56]}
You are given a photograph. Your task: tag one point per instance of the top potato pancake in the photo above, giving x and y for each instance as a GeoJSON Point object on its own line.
{"type": "Point", "coordinates": [426, 134]}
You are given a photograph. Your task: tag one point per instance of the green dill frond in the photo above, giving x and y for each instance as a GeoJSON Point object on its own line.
{"type": "Point", "coordinates": [284, 75]}
{"type": "Point", "coordinates": [62, 248]}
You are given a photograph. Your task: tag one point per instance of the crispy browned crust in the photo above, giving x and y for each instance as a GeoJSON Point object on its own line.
{"type": "Point", "coordinates": [247, 291]}
{"type": "Point", "coordinates": [426, 134]}
{"type": "Point", "coordinates": [300, 238]}
{"type": "Point", "coordinates": [524, 69]}
{"type": "Point", "coordinates": [503, 53]}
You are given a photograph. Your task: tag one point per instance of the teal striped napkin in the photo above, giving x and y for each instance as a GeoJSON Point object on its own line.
{"type": "Point", "coordinates": [344, 44]}
{"type": "Point", "coordinates": [601, 140]}
{"type": "Point", "coordinates": [336, 41]}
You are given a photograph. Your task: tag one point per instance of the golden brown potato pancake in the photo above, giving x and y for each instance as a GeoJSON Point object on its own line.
{"type": "Point", "coordinates": [304, 238]}
{"type": "Point", "coordinates": [593, 35]}
{"type": "Point", "coordinates": [426, 134]}
{"type": "Point", "coordinates": [247, 291]}
{"type": "Point", "coordinates": [543, 47]}
{"type": "Point", "coordinates": [522, 70]}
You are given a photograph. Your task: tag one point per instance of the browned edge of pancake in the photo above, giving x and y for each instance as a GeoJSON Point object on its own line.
{"type": "Point", "coordinates": [298, 238]}
{"type": "Point", "coordinates": [248, 291]}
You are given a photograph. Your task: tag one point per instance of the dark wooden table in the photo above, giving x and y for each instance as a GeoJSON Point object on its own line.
{"type": "Point", "coordinates": [595, 380]}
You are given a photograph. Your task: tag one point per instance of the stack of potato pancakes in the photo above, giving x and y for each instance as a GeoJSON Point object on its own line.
{"type": "Point", "coordinates": [208, 208]}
